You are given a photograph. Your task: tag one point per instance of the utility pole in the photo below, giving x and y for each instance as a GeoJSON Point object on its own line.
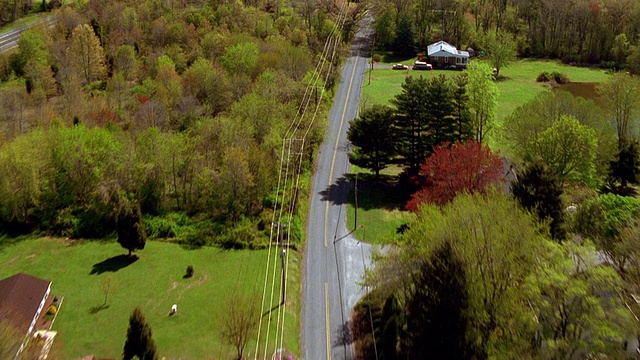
{"type": "Point", "coordinates": [355, 216]}
{"type": "Point", "coordinates": [283, 255]}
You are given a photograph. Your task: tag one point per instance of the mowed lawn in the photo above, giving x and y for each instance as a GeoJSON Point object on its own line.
{"type": "Point", "coordinates": [154, 282]}
{"type": "Point", "coordinates": [380, 214]}
{"type": "Point", "coordinates": [517, 84]}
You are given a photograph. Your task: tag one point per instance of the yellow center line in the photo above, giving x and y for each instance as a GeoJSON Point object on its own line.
{"type": "Point", "coordinates": [326, 212]}
{"type": "Point", "coordinates": [326, 308]}
{"type": "Point", "coordinates": [335, 149]}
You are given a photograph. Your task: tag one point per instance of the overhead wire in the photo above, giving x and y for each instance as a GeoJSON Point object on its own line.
{"type": "Point", "coordinates": [282, 183]}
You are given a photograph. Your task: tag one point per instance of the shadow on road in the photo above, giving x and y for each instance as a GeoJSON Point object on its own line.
{"type": "Point", "coordinates": [384, 193]}
{"type": "Point", "coordinates": [344, 336]}
{"type": "Point", "coordinates": [113, 264]}
{"type": "Point", "coordinates": [338, 192]}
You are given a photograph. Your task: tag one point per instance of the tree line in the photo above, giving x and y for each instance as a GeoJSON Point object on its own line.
{"type": "Point", "coordinates": [587, 32]}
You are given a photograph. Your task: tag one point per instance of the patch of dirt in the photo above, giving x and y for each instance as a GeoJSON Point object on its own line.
{"type": "Point", "coordinates": [10, 261]}
{"type": "Point", "coordinates": [30, 256]}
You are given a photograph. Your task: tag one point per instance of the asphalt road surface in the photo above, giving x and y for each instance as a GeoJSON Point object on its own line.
{"type": "Point", "coordinates": [9, 40]}
{"type": "Point", "coordinates": [334, 260]}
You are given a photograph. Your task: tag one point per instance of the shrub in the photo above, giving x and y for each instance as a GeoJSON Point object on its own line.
{"type": "Point", "coordinates": [189, 272]}
{"type": "Point", "coordinates": [559, 77]}
{"type": "Point", "coordinates": [555, 76]}
{"type": "Point", "coordinates": [52, 310]}
{"type": "Point", "coordinates": [543, 77]}
{"type": "Point", "coordinates": [244, 235]}
{"type": "Point", "coordinates": [377, 57]}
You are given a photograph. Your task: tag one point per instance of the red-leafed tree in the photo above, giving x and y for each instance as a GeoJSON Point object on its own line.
{"type": "Point", "coordinates": [462, 167]}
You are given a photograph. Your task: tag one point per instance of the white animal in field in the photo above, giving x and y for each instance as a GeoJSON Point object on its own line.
{"type": "Point", "coordinates": [174, 309]}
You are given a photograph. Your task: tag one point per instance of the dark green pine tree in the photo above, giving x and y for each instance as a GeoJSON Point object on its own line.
{"type": "Point", "coordinates": [538, 189]}
{"type": "Point", "coordinates": [440, 124]}
{"type": "Point", "coordinates": [139, 341]}
{"type": "Point", "coordinates": [626, 167]}
{"type": "Point", "coordinates": [437, 320]}
{"type": "Point", "coordinates": [130, 228]}
{"type": "Point", "coordinates": [461, 114]}
{"type": "Point", "coordinates": [370, 134]}
{"type": "Point", "coordinates": [404, 44]}
{"type": "Point", "coordinates": [411, 136]}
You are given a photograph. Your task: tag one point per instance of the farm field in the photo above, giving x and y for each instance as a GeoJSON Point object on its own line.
{"type": "Point", "coordinates": [154, 282]}
{"type": "Point", "coordinates": [380, 213]}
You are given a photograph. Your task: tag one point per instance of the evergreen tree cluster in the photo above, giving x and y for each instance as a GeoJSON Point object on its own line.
{"type": "Point", "coordinates": [427, 113]}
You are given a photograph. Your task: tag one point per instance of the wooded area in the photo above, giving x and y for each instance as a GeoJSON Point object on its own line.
{"type": "Point", "coordinates": [605, 32]}
{"type": "Point", "coordinates": [178, 105]}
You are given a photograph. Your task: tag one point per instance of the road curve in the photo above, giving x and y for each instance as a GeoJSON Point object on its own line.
{"type": "Point", "coordinates": [334, 260]}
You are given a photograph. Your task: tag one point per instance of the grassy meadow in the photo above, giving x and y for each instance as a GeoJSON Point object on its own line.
{"type": "Point", "coordinates": [380, 206]}
{"type": "Point", "coordinates": [154, 282]}
{"type": "Point", "coordinates": [381, 212]}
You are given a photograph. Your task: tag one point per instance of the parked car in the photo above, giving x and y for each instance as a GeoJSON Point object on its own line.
{"type": "Point", "coordinates": [421, 65]}
{"type": "Point", "coordinates": [399, 67]}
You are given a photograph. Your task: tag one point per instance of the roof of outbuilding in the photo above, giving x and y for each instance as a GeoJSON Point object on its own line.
{"type": "Point", "coordinates": [20, 297]}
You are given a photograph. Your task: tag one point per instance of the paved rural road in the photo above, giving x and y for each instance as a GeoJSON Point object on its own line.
{"type": "Point", "coordinates": [9, 40]}
{"type": "Point", "coordinates": [334, 260]}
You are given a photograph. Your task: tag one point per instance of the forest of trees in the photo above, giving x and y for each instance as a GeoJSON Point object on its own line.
{"type": "Point", "coordinates": [605, 32]}
{"type": "Point", "coordinates": [177, 106]}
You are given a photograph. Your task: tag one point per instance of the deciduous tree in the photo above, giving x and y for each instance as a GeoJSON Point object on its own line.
{"type": "Point", "coordinates": [567, 147]}
{"type": "Point", "coordinates": [371, 134]}
{"type": "Point", "coordinates": [483, 98]}
{"type": "Point", "coordinates": [86, 55]}
{"type": "Point", "coordinates": [573, 302]}
{"type": "Point", "coordinates": [621, 96]}
{"type": "Point", "coordinates": [438, 311]}
{"type": "Point", "coordinates": [239, 322]}
{"type": "Point", "coordinates": [480, 229]}
{"type": "Point", "coordinates": [464, 167]}
{"type": "Point", "coordinates": [501, 50]}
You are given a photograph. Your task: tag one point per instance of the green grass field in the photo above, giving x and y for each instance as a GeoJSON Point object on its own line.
{"type": "Point", "coordinates": [154, 282]}
{"type": "Point", "coordinates": [517, 84]}
{"type": "Point", "coordinates": [380, 208]}
{"type": "Point", "coordinates": [380, 214]}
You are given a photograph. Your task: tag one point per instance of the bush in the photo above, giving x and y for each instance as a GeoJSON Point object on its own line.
{"type": "Point", "coordinates": [376, 57]}
{"type": "Point", "coordinates": [559, 77]}
{"type": "Point", "coordinates": [555, 76]}
{"type": "Point", "coordinates": [543, 77]}
{"type": "Point", "coordinates": [52, 310]}
{"type": "Point", "coordinates": [244, 235]}
{"type": "Point", "coordinates": [189, 272]}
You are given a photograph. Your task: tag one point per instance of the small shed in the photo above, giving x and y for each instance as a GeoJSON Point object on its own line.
{"type": "Point", "coordinates": [442, 54]}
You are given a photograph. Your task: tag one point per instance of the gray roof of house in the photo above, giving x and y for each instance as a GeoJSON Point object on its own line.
{"type": "Point", "coordinates": [443, 48]}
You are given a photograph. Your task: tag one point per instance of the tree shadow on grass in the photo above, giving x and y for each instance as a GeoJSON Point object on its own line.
{"type": "Point", "coordinates": [383, 193]}
{"type": "Point", "coordinates": [96, 309]}
{"type": "Point", "coordinates": [113, 264]}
